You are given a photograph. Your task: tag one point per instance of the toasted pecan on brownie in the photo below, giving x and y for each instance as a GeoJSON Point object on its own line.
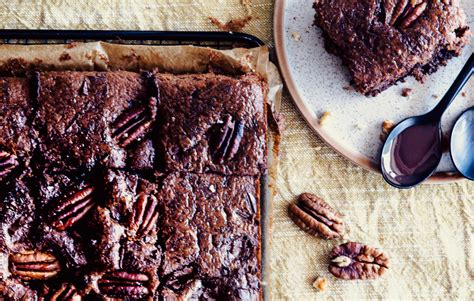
{"type": "Point", "coordinates": [384, 41]}
{"type": "Point", "coordinates": [212, 123]}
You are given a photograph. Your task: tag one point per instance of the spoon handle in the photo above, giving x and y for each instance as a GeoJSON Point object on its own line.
{"type": "Point", "coordinates": [453, 91]}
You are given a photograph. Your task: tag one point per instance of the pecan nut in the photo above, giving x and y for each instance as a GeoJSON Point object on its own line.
{"type": "Point", "coordinates": [65, 292]}
{"type": "Point", "coordinates": [124, 284]}
{"type": "Point", "coordinates": [353, 260]}
{"type": "Point", "coordinates": [225, 138]}
{"type": "Point", "coordinates": [315, 216]}
{"type": "Point", "coordinates": [34, 265]}
{"type": "Point", "coordinates": [406, 12]}
{"type": "Point", "coordinates": [8, 162]}
{"type": "Point", "coordinates": [134, 123]}
{"type": "Point", "coordinates": [144, 215]}
{"type": "Point", "coordinates": [67, 212]}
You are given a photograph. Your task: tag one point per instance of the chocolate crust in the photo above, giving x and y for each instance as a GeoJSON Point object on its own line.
{"type": "Point", "coordinates": [93, 197]}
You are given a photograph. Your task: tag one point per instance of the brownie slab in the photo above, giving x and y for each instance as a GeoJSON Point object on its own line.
{"type": "Point", "coordinates": [381, 42]}
{"type": "Point", "coordinates": [212, 123]}
{"type": "Point", "coordinates": [131, 186]}
{"type": "Point", "coordinates": [211, 237]}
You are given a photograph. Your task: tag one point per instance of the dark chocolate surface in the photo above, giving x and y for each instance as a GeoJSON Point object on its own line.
{"type": "Point", "coordinates": [381, 42]}
{"type": "Point", "coordinates": [131, 186]}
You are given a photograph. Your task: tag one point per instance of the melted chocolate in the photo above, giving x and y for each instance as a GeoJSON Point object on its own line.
{"type": "Point", "coordinates": [414, 153]}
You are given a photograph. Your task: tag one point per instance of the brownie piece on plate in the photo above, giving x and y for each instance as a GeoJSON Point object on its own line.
{"type": "Point", "coordinates": [382, 42]}
{"type": "Point", "coordinates": [17, 138]}
{"type": "Point", "coordinates": [91, 118]}
{"type": "Point", "coordinates": [212, 123]}
{"type": "Point", "coordinates": [211, 237]}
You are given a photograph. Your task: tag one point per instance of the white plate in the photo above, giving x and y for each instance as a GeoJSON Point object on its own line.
{"type": "Point", "coordinates": [316, 81]}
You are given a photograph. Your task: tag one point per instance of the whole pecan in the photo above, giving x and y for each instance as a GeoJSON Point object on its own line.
{"type": "Point", "coordinates": [8, 162]}
{"type": "Point", "coordinates": [225, 138]}
{"type": "Point", "coordinates": [406, 12]}
{"type": "Point", "coordinates": [134, 123]}
{"type": "Point", "coordinates": [66, 212]}
{"type": "Point", "coordinates": [65, 292]}
{"type": "Point", "coordinates": [353, 260]}
{"type": "Point", "coordinates": [144, 215]}
{"type": "Point", "coordinates": [124, 284]}
{"type": "Point", "coordinates": [34, 265]}
{"type": "Point", "coordinates": [315, 216]}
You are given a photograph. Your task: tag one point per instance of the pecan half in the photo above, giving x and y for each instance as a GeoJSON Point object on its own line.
{"type": "Point", "coordinates": [67, 212]}
{"type": "Point", "coordinates": [353, 260]}
{"type": "Point", "coordinates": [134, 123]}
{"type": "Point", "coordinates": [315, 216]}
{"type": "Point", "coordinates": [124, 284]}
{"type": "Point", "coordinates": [225, 138]}
{"type": "Point", "coordinates": [406, 12]}
{"type": "Point", "coordinates": [65, 292]}
{"type": "Point", "coordinates": [144, 215]}
{"type": "Point", "coordinates": [8, 162]}
{"type": "Point", "coordinates": [34, 265]}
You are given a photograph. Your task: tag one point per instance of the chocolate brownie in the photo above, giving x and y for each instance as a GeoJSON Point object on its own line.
{"type": "Point", "coordinates": [381, 42]}
{"type": "Point", "coordinates": [107, 200]}
{"type": "Point", "coordinates": [210, 234]}
{"type": "Point", "coordinates": [92, 118]}
{"type": "Point", "coordinates": [17, 137]}
{"type": "Point", "coordinates": [212, 123]}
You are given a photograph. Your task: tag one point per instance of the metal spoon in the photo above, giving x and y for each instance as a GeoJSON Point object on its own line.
{"type": "Point", "coordinates": [413, 149]}
{"type": "Point", "coordinates": [462, 144]}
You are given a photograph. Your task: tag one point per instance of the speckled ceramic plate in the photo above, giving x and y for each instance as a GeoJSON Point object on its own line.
{"type": "Point", "coordinates": [318, 83]}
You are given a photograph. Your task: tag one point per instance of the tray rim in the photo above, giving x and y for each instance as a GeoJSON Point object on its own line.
{"type": "Point", "coordinates": [354, 157]}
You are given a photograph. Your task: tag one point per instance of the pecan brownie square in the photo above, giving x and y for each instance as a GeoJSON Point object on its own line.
{"type": "Point", "coordinates": [211, 237]}
{"type": "Point", "coordinates": [127, 254]}
{"type": "Point", "coordinates": [92, 118]}
{"type": "Point", "coordinates": [212, 123]}
{"type": "Point", "coordinates": [382, 42]}
{"type": "Point", "coordinates": [17, 138]}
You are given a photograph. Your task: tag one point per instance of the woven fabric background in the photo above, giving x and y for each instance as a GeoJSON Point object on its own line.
{"type": "Point", "coordinates": [426, 231]}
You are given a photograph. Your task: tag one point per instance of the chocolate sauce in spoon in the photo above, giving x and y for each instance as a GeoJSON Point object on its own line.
{"type": "Point", "coordinates": [414, 153]}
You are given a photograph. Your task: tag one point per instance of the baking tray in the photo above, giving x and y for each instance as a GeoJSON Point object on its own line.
{"type": "Point", "coordinates": [217, 40]}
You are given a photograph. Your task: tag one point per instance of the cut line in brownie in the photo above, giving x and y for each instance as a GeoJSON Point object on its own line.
{"type": "Point", "coordinates": [381, 42]}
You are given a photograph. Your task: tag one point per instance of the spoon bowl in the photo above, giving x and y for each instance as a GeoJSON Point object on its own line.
{"type": "Point", "coordinates": [462, 144]}
{"type": "Point", "coordinates": [413, 149]}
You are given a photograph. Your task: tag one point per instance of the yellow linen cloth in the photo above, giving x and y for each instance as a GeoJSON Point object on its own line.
{"type": "Point", "coordinates": [426, 231]}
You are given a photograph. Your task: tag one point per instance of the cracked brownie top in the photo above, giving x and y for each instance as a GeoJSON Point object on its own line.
{"type": "Point", "coordinates": [133, 186]}
{"type": "Point", "coordinates": [383, 41]}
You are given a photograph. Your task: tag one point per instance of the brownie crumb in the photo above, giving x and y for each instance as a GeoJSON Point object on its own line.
{"type": "Point", "coordinates": [232, 25]}
{"type": "Point", "coordinates": [406, 92]}
{"type": "Point", "coordinates": [296, 36]}
{"type": "Point", "coordinates": [64, 57]}
{"type": "Point", "coordinates": [463, 94]}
